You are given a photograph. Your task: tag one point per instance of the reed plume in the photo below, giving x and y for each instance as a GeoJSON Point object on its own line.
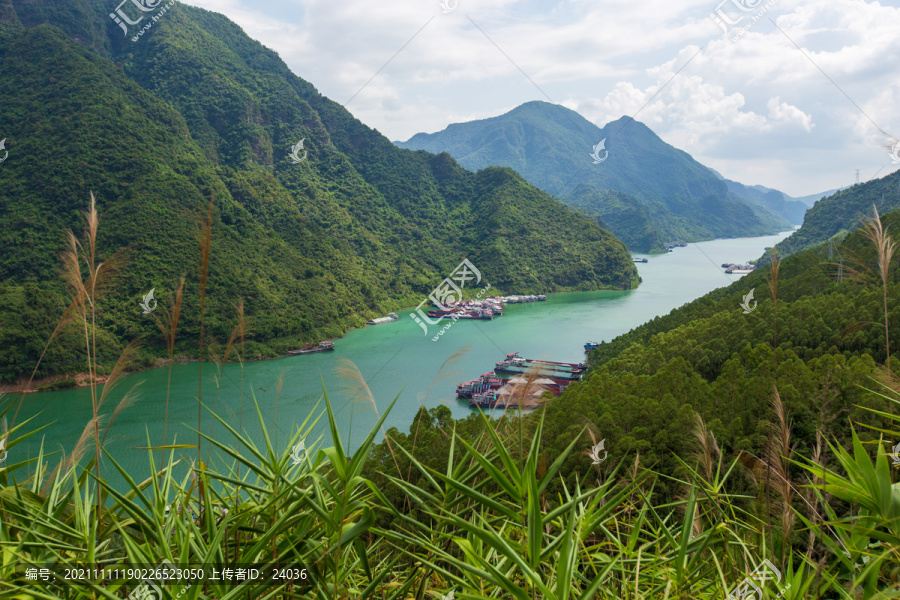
{"type": "Point", "coordinates": [126, 359]}
{"type": "Point", "coordinates": [441, 375]}
{"type": "Point", "coordinates": [77, 454]}
{"type": "Point", "coordinates": [86, 290]}
{"type": "Point", "coordinates": [354, 385]}
{"type": "Point", "coordinates": [885, 247]}
{"type": "Point", "coordinates": [773, 470]}
{"type": "Point", "coordinates": [706, 448]}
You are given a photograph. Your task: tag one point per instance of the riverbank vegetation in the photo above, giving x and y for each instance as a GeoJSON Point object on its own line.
{"type": "Point", "coordinates": [725, 457]}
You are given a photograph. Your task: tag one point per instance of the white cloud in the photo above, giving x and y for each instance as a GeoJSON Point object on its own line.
{"type": "Point", "coordinates": [756, 108]}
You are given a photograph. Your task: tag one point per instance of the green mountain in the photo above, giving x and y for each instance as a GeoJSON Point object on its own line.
{"type": "Point", "coordinates": [194, 109]}
{"type": "Point", "coordinates": [834, 216]}
{"type": "Point", "coordinates": [668, 195]}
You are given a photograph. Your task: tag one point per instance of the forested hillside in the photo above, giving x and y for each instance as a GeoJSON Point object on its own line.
{"type": "Point", "coordinates": [194, 111]}
{"type": "Point", "coordinates": [836, 215]}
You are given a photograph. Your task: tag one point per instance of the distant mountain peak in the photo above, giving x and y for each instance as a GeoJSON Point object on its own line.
{"type": "Point", "coordinates": [553, 147]}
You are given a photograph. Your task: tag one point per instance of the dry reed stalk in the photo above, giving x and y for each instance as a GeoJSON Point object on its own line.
{"type": "Point", "coordinates": [706, 447]}
{"type": "Point", "coordinates": [168, 325]}
{"type": "Point", "coordinates": [885, 248]}
{"type": "Point", "coordinates": [773, 290]}
{"type": "Point", "coordinates": [812, 499]}
{"type": "Point", "coordinates": [275, 414]}
{"type": "Point", "coordinates": [229, 347]}
{"type": "Point", "coordinates": [441, 374]}
{"type": "Point", "coordinates": [204, 238]}
{"type": "Point", "coordinates": [243, 328]}
{"type": "Point", "coordinates": [779, 453]}
{"type": "Point", "coordinates": [86, 293]}
{"type": "Point", "coordinates": [773, 468]}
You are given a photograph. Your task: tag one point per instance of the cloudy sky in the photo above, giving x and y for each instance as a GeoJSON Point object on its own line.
{"type": "Point", "coordinates": [794, 95]}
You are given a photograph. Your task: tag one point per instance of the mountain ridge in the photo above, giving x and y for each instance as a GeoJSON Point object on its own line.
{"type": "Point", "coordinates": [550, 145]}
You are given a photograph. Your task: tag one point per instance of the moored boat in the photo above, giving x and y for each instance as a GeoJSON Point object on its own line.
{"type": "Point", "coordinates": [326, 346]}
{"type": "Point", "coordinates": [390, 318]}
{"type": "Point", "coordinates": [515, 357]}
{"type": "Point", "coordinates": [479, 385]}
{"type": "Point", "coordinates": [516, 365]}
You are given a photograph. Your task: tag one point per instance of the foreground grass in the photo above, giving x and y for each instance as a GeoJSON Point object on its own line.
{"type": "Point", "coordinates": [483, 527]}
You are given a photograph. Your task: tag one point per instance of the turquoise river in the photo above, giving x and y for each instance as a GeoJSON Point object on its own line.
{"type": "Point", "coordinates": [394, 358]}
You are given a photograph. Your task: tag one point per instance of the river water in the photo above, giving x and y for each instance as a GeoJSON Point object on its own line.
{"type": "Point", "coordinates": [394, 359]}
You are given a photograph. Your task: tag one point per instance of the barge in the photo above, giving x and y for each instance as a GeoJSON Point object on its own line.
{"type": "Point", "coordinates": [733, 269]}
{"type": "Point", "coordinates": [390, 318]}
{"type": "Point", "coordinates": [514, 364]}
{"type": "Point", "coordinates": [326, 346]}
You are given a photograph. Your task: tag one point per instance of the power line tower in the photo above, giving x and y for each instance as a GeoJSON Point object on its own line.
{"type": "Point", "coordinates": [857, 176]}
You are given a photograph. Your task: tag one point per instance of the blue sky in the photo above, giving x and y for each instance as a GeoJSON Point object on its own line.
{"type": "Point", "coordinates": [795, 95]}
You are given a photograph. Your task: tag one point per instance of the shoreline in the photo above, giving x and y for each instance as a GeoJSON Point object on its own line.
{"type": "Point", "coordinates": [161, 363]}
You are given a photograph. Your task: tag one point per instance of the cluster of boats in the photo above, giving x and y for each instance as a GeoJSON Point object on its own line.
{"type": "Point", "coordinates": [485, 309]}
{"type": "Point", "coordinates": [530, 379]}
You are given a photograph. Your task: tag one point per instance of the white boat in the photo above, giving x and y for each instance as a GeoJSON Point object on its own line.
{"type": "Point", "coordinates": [390, 318]}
